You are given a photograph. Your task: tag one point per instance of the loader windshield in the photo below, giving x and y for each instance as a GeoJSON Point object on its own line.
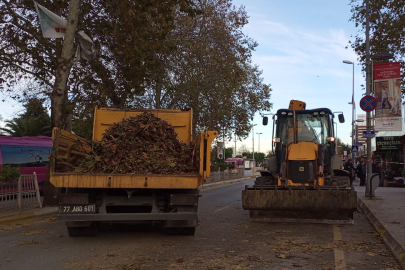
{"type": "Point", "coordinates": [310, 126]}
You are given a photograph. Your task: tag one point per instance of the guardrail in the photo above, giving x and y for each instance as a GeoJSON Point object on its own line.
{"type": "Point", "coordinates": [20, 194]}
{"type": "Point", "coordinates": [226, 175]}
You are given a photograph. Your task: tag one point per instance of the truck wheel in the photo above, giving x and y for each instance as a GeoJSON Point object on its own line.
{"type": "Point", "coordinates": [90, 231]}
{"type": "Point", "coordinates": [188, 231]}
{"type": "Point", "coordinates": [74, 231]}
{"type": "Point", "coordinates": [83, 231]}
{"type": "Point", "coordinates": [172, 231]}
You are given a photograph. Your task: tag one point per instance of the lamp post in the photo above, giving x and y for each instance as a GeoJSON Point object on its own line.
{"type": "Point", "coordinates": [369, 192]}
{"type": "Point", "coordinates": [336, 136]}
{"type": "Point", "coordinates": [336, 141]}
{"type": "Point", "coordinates": [253, 142]}
{"type": "Point", "coordinates": [352, 102]}
{"type": "Point", "coordinates": [258, 147]}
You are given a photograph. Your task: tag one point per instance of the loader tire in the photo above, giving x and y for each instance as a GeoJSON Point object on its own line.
{"type": "Point", "coordinates": [341, 181]}
{"type": "Point", "coordinates": [265, 180]}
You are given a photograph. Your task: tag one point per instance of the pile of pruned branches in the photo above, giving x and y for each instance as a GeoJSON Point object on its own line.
{"type": "Point", "coordinates": [144, 144]}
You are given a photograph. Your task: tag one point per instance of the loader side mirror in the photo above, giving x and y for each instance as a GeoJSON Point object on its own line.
{"type": "Point", "coordinates": [265, 121]}
{"type": "Point", "coordinates": [341, 118]}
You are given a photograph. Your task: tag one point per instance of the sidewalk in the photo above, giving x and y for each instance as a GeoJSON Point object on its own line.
{"type": "Point", "coordinates": [12, 216]}
{"type": "Point", "coordinates": [384, 211]}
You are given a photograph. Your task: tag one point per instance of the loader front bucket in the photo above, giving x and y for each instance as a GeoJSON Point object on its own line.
{"type": "Point", "coordinates": [299, 204]}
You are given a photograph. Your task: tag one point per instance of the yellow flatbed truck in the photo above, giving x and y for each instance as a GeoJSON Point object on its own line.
{"type": "Point", "coordinates": [93, 198]}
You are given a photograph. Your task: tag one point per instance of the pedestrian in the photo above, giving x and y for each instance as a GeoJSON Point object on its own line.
{"type": "Point", "coordinates": [349, 167]}
{"type": "Point", "coordinates": [363, 174]}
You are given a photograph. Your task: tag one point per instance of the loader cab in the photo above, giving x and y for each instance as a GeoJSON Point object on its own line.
{"type": "Point", "coordinates": [305, 125]}
{"type": "Point", "coordinates": [314, 126]}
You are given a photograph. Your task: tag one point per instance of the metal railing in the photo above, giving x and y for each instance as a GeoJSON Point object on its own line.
{"type": "Point", "coordinates": [20, 194]}
{"type": "Point", "coordinates": [226, 175]}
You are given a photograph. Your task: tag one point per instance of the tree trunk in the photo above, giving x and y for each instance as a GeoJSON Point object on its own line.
{"type": "Point", "coordinates": [58, 101]}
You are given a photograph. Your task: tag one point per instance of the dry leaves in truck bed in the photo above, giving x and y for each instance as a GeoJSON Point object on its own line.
{"type": "Point", "coordinates": [144, 144]}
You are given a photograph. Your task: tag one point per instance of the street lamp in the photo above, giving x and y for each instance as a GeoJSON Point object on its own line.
{"type": "Point", "coordinates": [355, 130]}
{"type": "Point", "coordinates": [258, 148]}
{"type": "Point", "coordinates": [341, 120]}
{"type": "Point", "coordinates": [253, 142]}
{"type": "Point", "coordinates": [336, 140]}
{"type": "Point", "coordinates": [352, 63]}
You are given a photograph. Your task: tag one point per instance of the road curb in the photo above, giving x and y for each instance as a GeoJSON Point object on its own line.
{"type": "Point", "coordinates": [389, 240]}
{"type": "Point", "coordinates": [28, 215]}
{"type": "Point", "coordinates": [220, 183]}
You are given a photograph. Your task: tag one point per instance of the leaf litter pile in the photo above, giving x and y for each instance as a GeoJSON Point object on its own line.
{"type": "Point", "coordinates": [144, 144]}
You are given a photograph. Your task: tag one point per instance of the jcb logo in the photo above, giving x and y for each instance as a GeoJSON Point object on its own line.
{"type": "Point", "coordinates": [301, 169]}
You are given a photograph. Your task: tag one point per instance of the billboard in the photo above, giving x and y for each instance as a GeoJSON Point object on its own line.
{"type": "Point", "coordinates": [387, 91]}
{"type": "Point", "coordinates": [388, 143]}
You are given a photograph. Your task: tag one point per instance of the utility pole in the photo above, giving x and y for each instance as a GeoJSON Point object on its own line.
{"type": "Point", "coordinates": [369, 192]}
{"type": "Point", "coordinates": [253, 143]}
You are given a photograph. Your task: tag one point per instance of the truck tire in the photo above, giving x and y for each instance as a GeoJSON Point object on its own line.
{"type": "Point", "coordinates": [90, 231]}
{"type": "Point", "coordinates": [172, 231]}
{"type": "Point", "coordinates": [188, 231]}
{"type": "Point", "coordinates": [74, 231]}
{"type": "Point", "coordinates": [83, 231]}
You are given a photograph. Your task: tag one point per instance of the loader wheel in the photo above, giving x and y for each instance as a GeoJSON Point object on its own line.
{"type": "Point", "coordinates": [341, 180]}
{"type": "Point", "coordinates": [265, 180]}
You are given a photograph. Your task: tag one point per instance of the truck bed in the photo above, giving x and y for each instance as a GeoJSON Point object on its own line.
{"type": "Point", "coordinates": [69, 151]}
{"type": "Point", "coordinates": [130, 181]}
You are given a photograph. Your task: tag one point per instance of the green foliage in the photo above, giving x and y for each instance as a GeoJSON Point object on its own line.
{"type": "Point", "coordinates": [259, 156]}
{"type": "Point", "coordinates": [34, 121]}
{"type": "Point", "coordinates": [9, 174]}
{"type": "Point", "coordinates": [32, 126]}
{"type": "Point", "coordinates": [221, 166]}
{"type": "Point", "coordinates": [151, 53]}
{"type": "Point", "coordinates": [386, 29]}
{"type": "Point", "coordinates": [228, 152]}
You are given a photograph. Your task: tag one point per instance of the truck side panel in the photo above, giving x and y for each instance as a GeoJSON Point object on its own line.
{"type": "Point", "coordinates": [180, 120]}
{"type": "Point", "coordinates": [78, 180]}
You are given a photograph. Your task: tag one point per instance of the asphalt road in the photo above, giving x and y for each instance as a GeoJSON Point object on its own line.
{"type": "Point", "coordinates": [225, 239]}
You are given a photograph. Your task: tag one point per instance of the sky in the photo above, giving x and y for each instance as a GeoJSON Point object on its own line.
{"type": "Point", "coordinates": [302, 45]}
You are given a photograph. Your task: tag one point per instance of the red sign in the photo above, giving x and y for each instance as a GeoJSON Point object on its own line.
{"type": "Point", "coordinates": [368, 103]}
{"type": "Point", "coordinates": [391, 70]}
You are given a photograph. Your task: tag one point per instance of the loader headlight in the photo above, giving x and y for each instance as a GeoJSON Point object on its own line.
{"type": "Point", "coordinates": [275, 139]}
{"type": "Point", "coordinates": [330, 139]}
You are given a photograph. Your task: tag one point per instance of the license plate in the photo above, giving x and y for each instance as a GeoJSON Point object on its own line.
{"type": "Point", "coordinates": [77, 209]}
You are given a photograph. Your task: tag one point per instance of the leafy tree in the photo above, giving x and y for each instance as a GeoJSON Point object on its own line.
{"type": "Point", "coordinates": [32, 126]}
{"type": "Point", "coordinates": [169, 54]}
{"type": "Point", "coordinates": [386, 28]}
{"type": "Point", "coordinates": [259, 156]}
{"type": "Point", "coordinates": [34, 121]}
{"type": "Point", "coordinates": [228, 152]}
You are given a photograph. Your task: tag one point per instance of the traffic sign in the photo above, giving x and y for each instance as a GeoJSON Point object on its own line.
{"type": "Point", "coordinates": [359, 143]}
{"type": "Point", "coordinates": [368, 134]}
{"type": "Point", "coordinates": [368, 103]}
{"type": "Point", "coordinates": [355, 148]}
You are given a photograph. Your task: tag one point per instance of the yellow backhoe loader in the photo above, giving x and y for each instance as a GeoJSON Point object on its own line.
{"type": "Point", "coordinates": [304, 181]}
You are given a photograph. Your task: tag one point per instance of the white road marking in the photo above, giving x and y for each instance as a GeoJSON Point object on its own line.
{"type": "Point", "coordinates": [220, 209]}
{"type": "Point", "coordinates": [337, 235]}
{"type": "Point", "coordinates": [340, 262]}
